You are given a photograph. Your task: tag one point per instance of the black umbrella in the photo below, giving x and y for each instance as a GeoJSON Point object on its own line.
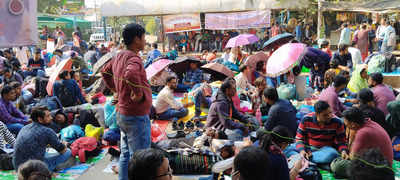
{"type": "Point", "coordinates": [182, 64]}
{"type": "Point", "coordinates": [278, 40]}
{"type": "Point", "coordinates": [102, 61]}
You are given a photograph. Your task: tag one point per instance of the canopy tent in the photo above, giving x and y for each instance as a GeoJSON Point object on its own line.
{"type": "Point", "coordinates": [64, 22]}
{"type": "Point", "coordinates": [381, 6]}
{"type": "Point", "coordinates": [163, 7]}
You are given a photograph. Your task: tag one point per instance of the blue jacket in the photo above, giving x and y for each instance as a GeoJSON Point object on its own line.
{"type": "Point", "coordinates": [72, 86]}
{"type": "Point", "coordinates": [281, 113]}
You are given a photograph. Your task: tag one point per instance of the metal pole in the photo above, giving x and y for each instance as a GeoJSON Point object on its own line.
{"type": "Point", "coordinates": [105, 28]}
{"type": "Point", "coordinates": [162, 33]}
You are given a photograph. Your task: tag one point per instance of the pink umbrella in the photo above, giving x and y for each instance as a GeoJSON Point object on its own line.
{"type": "Point", "coordinates": [157, 67]}
{"type": "Point", "coordinates": [254, 59]}
{"type": "Point", "coordinates": [241, 40]}
{"type": "Point", "coordinates": [63, 65]}
{"type": "Point", "coordinates": [285, 58]}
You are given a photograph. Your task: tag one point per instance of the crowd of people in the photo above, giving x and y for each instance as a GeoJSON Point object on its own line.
{"type": "Point", "coordinates": [349, 131]}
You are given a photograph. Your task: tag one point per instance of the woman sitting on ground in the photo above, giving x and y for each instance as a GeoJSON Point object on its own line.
{"type": "Point", "coordinates": [274, 143]}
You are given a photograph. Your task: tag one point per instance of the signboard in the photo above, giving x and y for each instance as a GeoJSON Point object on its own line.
{"type": "Point", "coordinates": [239, 20]}
{"type": "Point", "coordinates": [181, 23]}
{"type": "Point", "coordinates": [73, 7]}
{"type": "Point", "coordinates": [18, 23]}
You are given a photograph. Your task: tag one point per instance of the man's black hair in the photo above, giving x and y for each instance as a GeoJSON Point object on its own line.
{"type": "Point", "coordinates": [5, 90]}
{"type": "Point", "coordinates": [260, 65]}
{"type": "Point", "coordinates": [365, 167]}
{"type": "Point", "coordinates": [355, 115]}
{"type": "Point", "coordinates": [344, 73]}
{"type": "Point", "coordinates": [377, 77]}
{"type": "Point", "coordinates": [339, 81]}
{"type": "Point", "coordinates": [131, 31]}
{"type": "Point", "coordinates": [7, 70]}
{"type": "Point", "coordinates": [268, 139]}
{"type": "Point", "coordinates": [252, 163]}
{"type": "Point", "coordinates": [92, 47]}
{"type": "Point", "coordinates": [243, 67]}
{"type": "Point", "coordinates": [334, 63]}
{"type": "Point", "coordinates": [324, 44]}
{"type": "Point", "coordinates": [345, 25]}
{"type": "Point", "coordinates": [145, 163]}
{"type": "Point", "coordinates": [15, 84]}
{"type": "Point", "coordinates": [38, 112]}
{"type": "Point", "coordinates": [170, 78]}
{"type": "Point", "coordinates": [155, 45]}
{"type": "Point", "coordinates": [59, 51]}
{"type": "Point", "coordinates": [37, 51]}
{"type": "Point", "coordinates": [365, 96]}
{"type": "Point", "coordinates": [271, 93]}
{"type": "Point", "coordinates": [343, 47]}
{"type": "Point", "coordinates": [63, 74]}
{"type": "Point", "coordinates": [226, 85]}
{"type": "Point", "coordinates": [321, 106]}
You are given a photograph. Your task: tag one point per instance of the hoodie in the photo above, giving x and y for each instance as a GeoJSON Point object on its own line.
{"type": "Point", "coordinates": [222, 114]}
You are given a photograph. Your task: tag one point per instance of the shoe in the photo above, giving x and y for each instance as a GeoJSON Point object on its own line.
{"type": "Point", "coordinates": [176, 126]}
{"type": "Point", "coordinates": [189, 125]}
{"type": "Point", "coordinates": [175, 135]}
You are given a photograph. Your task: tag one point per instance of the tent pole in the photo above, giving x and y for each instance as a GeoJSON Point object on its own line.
{"type": "Point", "coordinates": [162, 33]}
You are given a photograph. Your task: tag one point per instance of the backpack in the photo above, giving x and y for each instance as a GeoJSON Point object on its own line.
{"type": "Point", "coordinates": [40, 87]}
{"type": "Point", "coordinates": [71, 133]}
{"type": "Point", "coordinates": [85, 147]}
{"type": "Point", "coordinates": [65, 96]}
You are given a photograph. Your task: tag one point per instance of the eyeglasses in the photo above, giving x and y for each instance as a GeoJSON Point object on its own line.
{"type": "Point", "coordinates": [169, 173]}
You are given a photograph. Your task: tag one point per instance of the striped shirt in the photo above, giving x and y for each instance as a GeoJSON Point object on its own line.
{"type": "Point", "coordinates": [5, 136]}
{"type": "Point", "coordinates": [310, 133]}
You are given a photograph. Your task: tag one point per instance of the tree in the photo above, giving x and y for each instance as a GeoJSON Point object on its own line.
{"type": "Point", "coordinates": [50, 6]}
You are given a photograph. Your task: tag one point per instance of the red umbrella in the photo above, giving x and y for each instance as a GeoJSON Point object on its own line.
{"type": "Point", "coordinates": [63, 65]}
{"type": "Point", "coordinates": [254, 59]}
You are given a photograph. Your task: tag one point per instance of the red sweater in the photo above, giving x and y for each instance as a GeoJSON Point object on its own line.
{"type": "Point", "coordinates": [310, 133]}
{"type": "Point", "coordinates": [372, 135]}
{"type": "Point", "coordinates": [125, 74]}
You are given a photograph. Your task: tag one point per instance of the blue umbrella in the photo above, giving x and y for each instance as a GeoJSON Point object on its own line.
{"type": "Point", "coordinates": [278, 40]}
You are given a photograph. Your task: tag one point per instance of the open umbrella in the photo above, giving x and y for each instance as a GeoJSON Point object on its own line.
{"type": "Point", "coordinates": [102, 61]}
{"type": "Point", "coordinates": [285, 58]}
{"type": "Point", "coordinates": [241, 40]}
{"type": "Point", "coordinates": [315, 56]}
{"type": "Point", "coordinates": [182, 64]}
{"type": "Point", "coordinates": [278, 40]}
{"type": "Point", "coordinates": [254, 59]}
{"type": "Point", "coordinates": [63, 65]}
{"type": "Point", "coordinates": [218, 71]}
{"type": "Point", "coordinates": [156, 67]}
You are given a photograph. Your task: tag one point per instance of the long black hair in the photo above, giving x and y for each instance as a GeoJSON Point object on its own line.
{"type": "Point", "coordinates": [280, 134]}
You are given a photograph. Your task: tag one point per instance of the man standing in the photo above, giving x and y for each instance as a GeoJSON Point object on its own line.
{"type": "Point", "coordinates": [345, 35]}
{"type": "Point", "coordinates": [167, 107]}
{"type": "Point", "coordinates": [382, 94]}
{"type": "Point", "coordinates": [380, 34]}
{"type": "Point", "coordinates": [389, 38]}
{"type": "Point", "coordinates": [153, 54]}
{"type": "Point", "coordinates": [126, 76]}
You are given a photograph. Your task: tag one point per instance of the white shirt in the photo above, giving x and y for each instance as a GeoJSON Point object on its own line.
{"type": "Point", "coordinates": [225, 56]}
{"type": "Point", "coordinates": [355, 56]}
{"type": "Point", "coordinates": [243, 83]}
{"type": "Point", "coordinates": [166, 100]}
